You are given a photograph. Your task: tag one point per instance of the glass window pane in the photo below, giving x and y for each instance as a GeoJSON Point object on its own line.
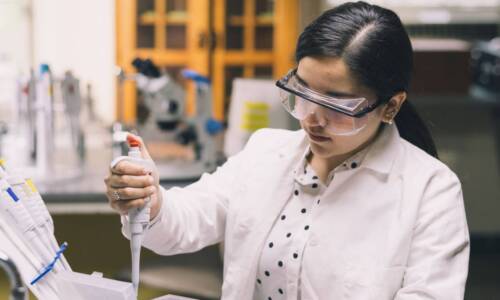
{"type": "Point", "coordinates": [264, 7]}
{"type": "Point", "coordinates": [176, 37]}
{"type": "Point", "coordinates": [145, 36]}
{"type": "Point", "coordinates": [145, 7]}
{"type": "Point", "coordinates": [176, 6]}
{"type": "Point", "coordinates": [234, 37]}
{"type": "Point", "coordinates": [234, 7]}
{"type": "Point", "coordinates": [264, 37]}
{"type": "Point", "coordinates": [264, 72]}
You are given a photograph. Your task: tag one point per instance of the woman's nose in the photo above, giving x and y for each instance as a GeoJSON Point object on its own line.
{"type": "Point", "coordinates": [316, 118]}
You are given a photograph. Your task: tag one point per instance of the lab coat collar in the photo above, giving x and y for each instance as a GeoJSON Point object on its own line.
{"type": "Point", "coordinates": [380, 156]}
{"type": "Point", "coordinates": [384, 150]}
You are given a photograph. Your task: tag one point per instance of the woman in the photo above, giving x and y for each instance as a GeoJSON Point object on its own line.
{"type": "Point", "coordinates": [350, 207]}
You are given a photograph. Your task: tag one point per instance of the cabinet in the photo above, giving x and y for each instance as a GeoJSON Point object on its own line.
{"type": "Point", "coordinates": [222, 39]}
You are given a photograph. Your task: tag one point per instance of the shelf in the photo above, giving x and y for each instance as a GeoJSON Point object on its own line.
{"type": "Point", "coordinates": [176, 18]}
{"type": "Point", "coordinates": [170, 21]}
{"type": "Point", "coordinates": [148, 18]}
{"type": "Point", "coordinates": [257, 57]}
{"type": "Point", "coordinates": [235, 21]}
{"type": "Point", "coordinates": [265, 20]}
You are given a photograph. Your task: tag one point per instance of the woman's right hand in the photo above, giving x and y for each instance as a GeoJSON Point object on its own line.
{"type": "Point", "coordinates": [129, 184]}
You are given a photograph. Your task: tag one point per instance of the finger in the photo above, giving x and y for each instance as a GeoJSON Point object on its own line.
{"type": "Point", "coordinates": [121, 181]}
{"type": "Point", "coordinates": [126, 167]}
{"type": "Point", "coordinates": [142, 147]}
{"type": "Point", "coordinates": [129, 193]}
{"type": "Point", "coordinates": [118, 209]}
{"type": "Point", "coordinates": [125, 206]}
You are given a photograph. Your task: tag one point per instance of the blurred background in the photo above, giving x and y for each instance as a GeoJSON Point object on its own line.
{"type": "Point", "coordinates": [195, 79]}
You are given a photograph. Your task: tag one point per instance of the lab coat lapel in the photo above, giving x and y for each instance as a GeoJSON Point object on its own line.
{"type": "Point", "coordinates": [279, 175]}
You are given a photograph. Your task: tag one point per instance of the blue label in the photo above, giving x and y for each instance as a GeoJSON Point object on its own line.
{"type": "Point", "coordinates": [12, 194]}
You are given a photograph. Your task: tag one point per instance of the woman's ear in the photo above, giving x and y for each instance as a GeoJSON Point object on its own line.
{"type": "Point", "coordinates": [392, 107]}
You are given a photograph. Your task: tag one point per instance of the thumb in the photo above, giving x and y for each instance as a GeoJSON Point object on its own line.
{"type": "Point", "coordinates": [142, 147]}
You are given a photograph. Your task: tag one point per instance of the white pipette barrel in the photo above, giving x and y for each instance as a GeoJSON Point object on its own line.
{"type": "Point", "coordinates": [22, 223]}
{"type": "Point", "coordinates": [45, 222]}
{"type": "Point", "coordinates": [12, 206]}
{"type": "Point", "coordinates": [36, 207]}
{"type": "Point", "coordinates": [138, 217]}
{"type": "Point", "coordinates": [27, 261]}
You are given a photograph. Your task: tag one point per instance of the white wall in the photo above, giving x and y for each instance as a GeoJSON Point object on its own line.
{"type": "Point", "coordinates": [79, 35]}
{"type": "Point", "coordinates": [14, 33]}
{"type": "Point", "coordinates": [15, 52]}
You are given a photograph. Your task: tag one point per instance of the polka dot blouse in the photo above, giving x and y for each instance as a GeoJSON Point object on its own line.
{"type": "Point", "coordinates": [278, 274]}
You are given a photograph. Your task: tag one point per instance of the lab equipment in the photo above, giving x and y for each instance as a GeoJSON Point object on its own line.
{"type": "Point", "coordinates": [161, 118]}
{"type": "Point", "coordinates": [44, 121]}
{"type": "Point", "coordinates": [32, 200]}
{"type": "Point", "coordinates": [138, 217]}
{"type": "Point", "coordinates": [23, 220]}
{"type": "Point", "coordinates": [61, 285]}
{"type": "Point", "coordinates": [349, 105]}
{"type": "Point", "coordinates": [26, 239]}
{"type": "Point", "coordinates": [27, 261]}
{"type": "Point", "coordinates": [48, 127]}
{"type": "Point", "coordinates": [485, 69]}
{"type": "Point", "coordinates": [340, 115]}
{"type": "Point", "coordinates": [200, 131]}
{"type": "Point", "coordinates": [18, 290]}
{"type": "Point", "coordinates": [254, 104]}
{"type": "Point", "coordinates": [20, 214]}
{"type": "Point", "coordinates": [14, 211]}
{"type": "Point", "coordinates": [118, 127]}
{"type": "Point", "coordinates": [163, 97]}
{"type": "Point", "coordinates": [70, 90]}
{"type": "Point", "coordinates": [27, 112]}
{"type": "Point", "coordinates": [79, 286]}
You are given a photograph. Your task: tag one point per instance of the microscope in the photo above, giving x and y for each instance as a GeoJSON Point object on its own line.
{"type": "Point", "coordinates": [183, 147]}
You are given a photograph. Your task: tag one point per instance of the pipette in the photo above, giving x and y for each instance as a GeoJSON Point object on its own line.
{"type": "Point", "coordinates": [12, 208]}
{"type": "Point", "coordinates": [21, 221]}
{"type": "Point", "coordinates": [27, 261]}
{"type": "Point", "coordinates": [36, 207]}
{"type": "Point", "coordinates": [46, 221]}
{"type": "Point", "coordinates": [138, 217]}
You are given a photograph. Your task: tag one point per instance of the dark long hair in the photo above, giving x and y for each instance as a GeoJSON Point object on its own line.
{"type": "Point", "coordinates": [375, 46]}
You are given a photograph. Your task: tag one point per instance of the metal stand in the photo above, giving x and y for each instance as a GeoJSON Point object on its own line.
{"type": "Point", "coordinates": [18, 291]}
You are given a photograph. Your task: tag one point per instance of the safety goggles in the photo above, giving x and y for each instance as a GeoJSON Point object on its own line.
{"type": "Point", "coordinates": [339, 116]}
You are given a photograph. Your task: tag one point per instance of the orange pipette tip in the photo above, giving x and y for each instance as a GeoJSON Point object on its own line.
{"type": "Point", "coordinates": [133, 142]}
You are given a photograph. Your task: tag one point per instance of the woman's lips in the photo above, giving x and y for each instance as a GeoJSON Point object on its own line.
{"type": "Point", "coordinates": [318, 138]}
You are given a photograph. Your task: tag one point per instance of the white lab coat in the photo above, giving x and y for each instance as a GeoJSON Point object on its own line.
{"type": "Point", "coordinates": [394, 228]}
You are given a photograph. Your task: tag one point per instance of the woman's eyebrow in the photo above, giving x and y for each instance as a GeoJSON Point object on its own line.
{"type": "Point", "coordinates": [329, 93]}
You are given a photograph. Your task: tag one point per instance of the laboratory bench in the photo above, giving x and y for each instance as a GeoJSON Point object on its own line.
{"type": "Point", "coordinates": [83, 192]}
